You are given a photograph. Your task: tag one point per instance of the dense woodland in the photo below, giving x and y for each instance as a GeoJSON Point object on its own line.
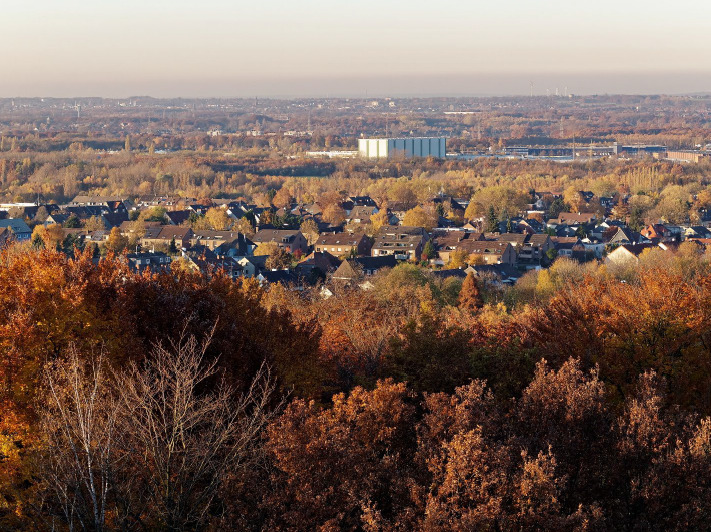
{"type": "Point", "coordinates": [577, 399]}
{"type": "Point", "coordinates": [177, 401]}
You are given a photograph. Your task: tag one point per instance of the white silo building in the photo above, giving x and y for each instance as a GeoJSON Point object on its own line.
{"type": "Point", "coordinates": [408, 147]}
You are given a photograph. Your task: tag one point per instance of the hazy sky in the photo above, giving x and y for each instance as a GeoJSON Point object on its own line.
{"type": "Point", "coordinates": [227, 48]}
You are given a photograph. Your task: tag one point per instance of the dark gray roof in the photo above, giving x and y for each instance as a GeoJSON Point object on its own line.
{"type": "Point", "coordinates": [446, 274]}
{"type": "Point", "coordinates": [375, 263]}
{"type": "Point", "coordinates": [15, 225]}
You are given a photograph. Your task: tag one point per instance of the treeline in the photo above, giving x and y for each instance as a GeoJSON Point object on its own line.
{"type": "Point", "coordinates": [250, 173]}
{"type": "Point", "coordinates": [177, 401]}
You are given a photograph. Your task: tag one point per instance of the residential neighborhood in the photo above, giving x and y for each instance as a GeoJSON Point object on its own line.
{"type": "Point", "coordinates": [297, 246]}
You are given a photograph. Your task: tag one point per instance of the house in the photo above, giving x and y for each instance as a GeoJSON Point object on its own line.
{"type": "Point", "coordinates": [156, 201]}
{"type": "Point", "coordinates": [623, 235]}
{"type": "Point", "coordinates": [355, 269]}
{"type": "Point", "coordinates": [534, 248]}
{"type": "Point", "coordinates": [397, 210]}
{"type": "Point", "coordinates": [239, 247]}
{"type": "Point", "coordinates": [136, 229]}
{"type": "Point", "coordinates": [59, 218]}
{"type": "Point", "coordinates": [446, 242]}
{"type": "Point", "coordinates": [317, 265]}
{"type": "Point", "coordinates": [237, 210]}
{"type": "Point", "coordinates": [361, 215]}
{"type": "Point", "coordinates": [696, 231]}
{"type": "Point", "coordinates": [85, 212]}
{"type": "Point", "coordinates": [564, 230]}
{"type": "Point", "coordinates": [108, 204]}
{"type": "Point", "coordinates": [586, 195]}
{"type": "Point", "coordinates": [405, 243]}
{"type": "Point", "coordinates": [284, 277]}
{"type": "Point", "coordinates": [593, 247]}
{"type": "Point", "coordinates": [17, 228]}
{"type": "Point", "coordinates": [340, 244]}
{"type": "Point", "coordinates": [498, 274]}
{"type": "Point", "coordinates": [517, 240]}
{"type": "Point", "coordinates": [209, 265]}
{"type": "Point", "coordinates": [163, 235]}
{"type": "Point", "coordinates": [531, 226]}
{"type": "Point", "coordinates": [29, 212]}
{"type": "Point", "coordinates": [139, 262]}
{"type": "Point", "coordinates": [213, 239]}
{"type": "Point", "coordinates": [362, 201]}
{"type": "Point", "coordinates": [607, 202]}
{"type": "Point", "coordinates": [490, 252]}
{"type": "Point", "coordinates": [566, 245]}
{"type": "Point", "coordinates": [454, 273]}
{"type": "Point", "coordinates": [313, 209]}
{"type": "Point", "coordinates": [198, 208]}
{"type": "Point", "coordinates": [289, 239]}
{"type": "Point", "coordinates": [580, 218]}
{"type": "Point", "coordinates": [114, 219]}
{"type": "Point", "coordinates": [449, 206]}
{"type": "Point", "coordinates": [627, 253]}
{"type": "Point", "coordinates": [657, 233]}
{"type": "Point", "coordinates": [178, 217]}
{"type": "Point", "coordinates": [102, 235]}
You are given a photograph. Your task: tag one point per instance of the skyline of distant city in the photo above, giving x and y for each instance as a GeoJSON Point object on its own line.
{"type": "Point", "coordinates": [481, 85]}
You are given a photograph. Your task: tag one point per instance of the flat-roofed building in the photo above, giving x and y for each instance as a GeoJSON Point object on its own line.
{"type": "Point", "coordinates": [407, 147]}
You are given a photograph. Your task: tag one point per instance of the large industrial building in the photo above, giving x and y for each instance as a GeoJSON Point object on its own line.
{"type": "Point", "coordinates": [404, 147]}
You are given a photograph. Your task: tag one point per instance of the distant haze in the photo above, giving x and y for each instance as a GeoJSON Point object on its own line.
{"type": "Point", "coordinates": [315, 48]}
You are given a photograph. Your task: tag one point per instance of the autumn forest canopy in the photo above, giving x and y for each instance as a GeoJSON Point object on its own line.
{"type": "Point", "coordinates": [411, 406]}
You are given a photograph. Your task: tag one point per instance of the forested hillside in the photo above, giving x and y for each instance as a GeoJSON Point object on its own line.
{"type": "Point", "coordinates": [180, 401]}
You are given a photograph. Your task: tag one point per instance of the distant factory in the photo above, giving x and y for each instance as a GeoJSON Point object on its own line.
{"type": "Point", "coordinates": [387, 148]}
{"type": "Point", "coordinates": [582, 150]}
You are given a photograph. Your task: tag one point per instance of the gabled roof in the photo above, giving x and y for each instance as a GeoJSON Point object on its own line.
{"type": "Point", "coordinates": [538, 239]}
{"type": "Point", "coordinates": [59, 217]}
{"type": "Point", "coordinates": [279, 276]}
{"type": "Point", "coordinates": [487, 247]}
{"type": "Point", "coordinates": [115, 219]}
{"type": "Point", "coordinates": [376, 263]}
{"type": "Point", "coordinates": [515, 239]}
{"type": "Point", "coordinates": [366, 201]}
{"type": "Point", "coordinates": [351, 268]}
{"type": "Point", "coordinates": [321, 260]}
{"type": "Point", "coordinates": [342, 239]}
{"type": "Point", "coordinates": [399, 237]}
{"type": "Point", "coordinates": [178, 217]}
{"type": "Point", "coordinates": [451, 239]}
{"type": "Point", "coordinates": [207, 234]}
{"type": "Point", "coordinates": [565, 242]}
{"type": "Point", "coordinates": [168, 232]}
{"type": "Point", "coordinates": [15, 225]}
{"type": "Point", "coordinates": [630, 250]}
{"type": "Point", "coordinates": [85, 211]}
{"type": "Point", "coordinates": [504, 272]}
{"type": "Point", "coordinates": [573, 218]}
{"type": "Point", "coordinates": [79, 200]}
{"type": "Point", "coordinates": [361, 213]}
{"type": "Point", "coordinates": [275, 235]}
{"type": "Point", "coordinates": [240, 245]}
{"type": "Point", "coordinates": [446, 274]}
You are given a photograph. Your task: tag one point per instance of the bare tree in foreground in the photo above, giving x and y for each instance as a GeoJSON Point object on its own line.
{"type": "Point", "coordinates": [190, 440]}
{"type": "Point", "coordinates": [149, 447]}
{"type": "Point", "coordinates": [79, 422]}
